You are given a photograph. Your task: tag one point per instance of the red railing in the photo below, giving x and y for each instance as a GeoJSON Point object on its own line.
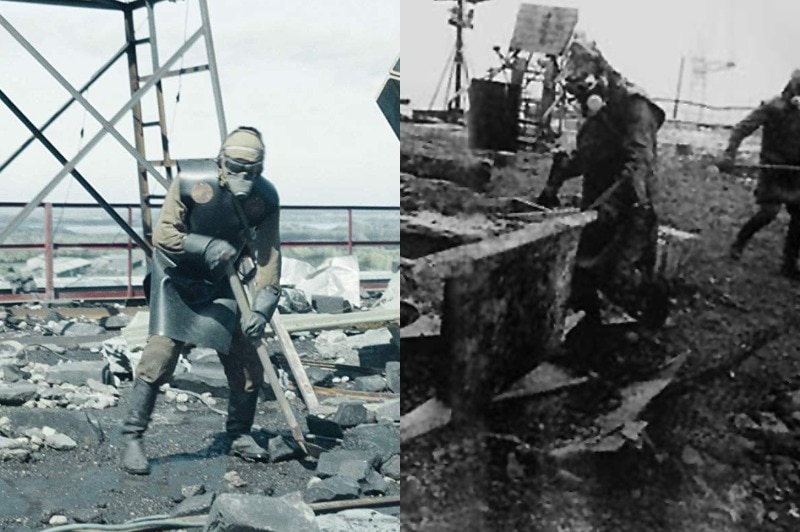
{"type": "Point", "coordinates": [132, 290]}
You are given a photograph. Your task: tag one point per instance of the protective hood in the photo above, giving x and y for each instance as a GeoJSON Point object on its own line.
{"type": "Point", "coordinates": [241, 160]}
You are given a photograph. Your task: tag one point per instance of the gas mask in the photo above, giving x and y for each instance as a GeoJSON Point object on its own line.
{"type": "Point", "coordinates": [239, 176]}
{"type": "Point", "coordinates": [795, 101]}
{"type": "Point", "coordinates": [241, 160]}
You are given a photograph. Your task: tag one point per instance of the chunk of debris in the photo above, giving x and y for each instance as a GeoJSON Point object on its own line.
{"type": "Point", "coordinates": [281, 450]}
{"type": "Point", "coordinates": [256, 513]}
{"type": "Point", "coordinates": [381, 438]}
{"type": "Point", "coordinates": [234, 480]}
{"type": "Point", "coordinates": [78, 373]}
{"type": "Point", "coordinates": [331, 463]}
{"type": "Point", "coordinates": [360, 519]}
{"type": "Point", "coordinates": [194, 505]}
{"type": "Point", "coordinates": [369, 383]}
{"type": "Point", "coordinates": [116, 322]}
{"type": "Point", "coordinates": [332, 489]}
{"type": "Point", "coordinates": [391, 467]}
{"type": "Point", "coordinates": [78, 328]}
{"type": "Point", "coordinates": [323, 427]}
{"type": "Point", "coordinates": [17, 394]}
{"type": "Point", "coordinates": [393, 375]}
{"type": "Point", "coordinates": [350, 414]}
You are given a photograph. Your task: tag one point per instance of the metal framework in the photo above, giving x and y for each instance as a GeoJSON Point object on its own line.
{"type": "Point", "coordinates": [140, 84]}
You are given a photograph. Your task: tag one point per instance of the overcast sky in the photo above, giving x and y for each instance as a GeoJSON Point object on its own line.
{"type": "Point", "coordinates": [644, 39]}
{"type": "Point", "coordinates": [305, 72]}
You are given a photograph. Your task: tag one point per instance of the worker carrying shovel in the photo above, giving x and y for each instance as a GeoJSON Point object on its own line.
{"type": "Point", "coordinates": [212, 215]}
{"type": "Point", "coordinates": [616, 155]}
{"type": "Point", "coordinates": [779, 170]}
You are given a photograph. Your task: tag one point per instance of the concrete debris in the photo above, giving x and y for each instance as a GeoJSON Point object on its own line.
{"type": "Point", "coordinates": [255, 513]}
{"type": "Point", "coordinates": [373, 484]}
{"type": "Point", "coordinates": [116, 322]}
{"type": "Point", "coordinates": [391, 468]}
{"type": "Point", "coordinates": [327, 338]}
{"type": "Point", "coordinates": [293, 301]}
{"type": "Point", "coordinates": [191, 491]}
{"type": "Point", "coordinates": [17, 394]}
{"type": "Point", "coordinates": [430, 415]}
{"type": "Point", "coordinates": [358, 520]}
{"type": "Point", "coordinates": [331, 463]}
{"type": "Point", "coordinates": [393, 375]}
{"type": "Point", "coordinates": [58, 441]}
{"type": "Point", "coordinates": [369, 383]}
{"type": "Point", "coordinates": [57, 520]}
{"type": "Point", "coordinates": [11, 350]}
{"type": "Point", "coordinates": [329, 304]}
{"type": "Point", "coordinates": [387, 411]}
{"type": "Point", "coordinates": [332, 489]}
{"type": "Point", "coordinates": [78, 373]}
{"type": "Point", "coordinates": [120, 359]}
{"type": "Point", "coordinates": [12, 373]}
{"type": "Point", "coordinates": [78, 328]}
{"type": "Point", "coordinates": [319, 376]}
{"type": "Point", "coordinates": [203, 379]}
{"type": "Point", "coordinates": [381, 438]}
{"type": "Point", "coordinates": [234, 480]}
{"type": "Point", "coordinates": [281, 450]}
{"type": "Point", "coordinates": [391, 296]}
{"type": "Point", "coordinates": [194, 505]}
{"type": "Point", "coordinates": [350, 414]}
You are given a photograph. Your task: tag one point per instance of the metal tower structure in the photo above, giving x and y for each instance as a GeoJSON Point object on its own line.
{"type": "Point", "coordinates": [456, 69]}
{"type": "Point", "coordinates": [140, 84]}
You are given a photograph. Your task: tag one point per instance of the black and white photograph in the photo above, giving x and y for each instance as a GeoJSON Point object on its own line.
{"type": "Point", "coordinates": [199, 265]}
{"type": "Point", "coordinates": [600, 227]}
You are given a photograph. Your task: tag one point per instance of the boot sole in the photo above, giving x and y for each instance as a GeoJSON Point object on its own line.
{"type": "Point", "coordinates": [136, 471]}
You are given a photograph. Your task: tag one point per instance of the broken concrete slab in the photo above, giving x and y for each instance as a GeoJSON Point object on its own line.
{"type": "Point", "coordinates": [319, 376]}
{"type": "Point", "coordinates": [78, 328]}
{"type": "Point", "coordinates": [78, 373]}
{"type": "Point", "coordinates": [369, 383]}
{"type": "Point", "coordinates": [381, 438]}
{"type": "Point", "coordinates": [281, 450]}
{"type": "Point", "coordinates": [536, 261]}
{"type": "Point", "coordinates": [203, 379]}
{"type": "Point", "coordinates": [11, 350]}
{"type": "Point", "coordinates": [116, 322]}
{"type": "Point", "coordinates": [332, 462]}
{"type": "Point", "coordinates": [430, 415]}
{"type": "Point", "coordinates": [388, 410]}
{"type": "Point", "coordinates": [17, 394]}
{"type": "Point", "coordinates": [391, 467]}
{"type": "Point", "coordinates": [194, 505]}
{"type": "Point", "coordinates": [58, 441]}
{"type": "Point", "coordinates": [70, 422]}
{"type": "Point", "coordinates": [332, 489]}
{"type": "Point", "coordinates": [374, 484]}
{"type": "Point", "coordinates": [358, 520]}
{"type": "Point", "coordinates": [393, 375]}
{"type": "Point", "coordinates": [350, 414]}
{"type": "Point", "coordinates": [12, 373]}
{"type": "Point", "coordinates": [255, 513]}
{"type": "Point", "coordinates": [329, 304]}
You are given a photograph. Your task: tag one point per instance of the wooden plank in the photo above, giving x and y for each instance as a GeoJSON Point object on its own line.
{"type": "Point", "coordinates": [356, 394]}
{"type": "Point", "coordinates": [291, 356]}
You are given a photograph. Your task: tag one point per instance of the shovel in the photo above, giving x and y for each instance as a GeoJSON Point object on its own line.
{"type": "Point", "coordinates": [308, 448]}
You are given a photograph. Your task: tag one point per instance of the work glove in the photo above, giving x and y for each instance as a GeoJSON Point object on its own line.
{"type": "Point", "coordinates": [726, 164]}
{"type": "Point", "coordinates": [215, 253]}
{"type": "Point", "coordinates": [263, 307]}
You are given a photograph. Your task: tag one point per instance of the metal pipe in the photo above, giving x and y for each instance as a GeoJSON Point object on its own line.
{"type": "Point", "coordinates": [93, 142]}
{"type": "Point", "coordinates": [80, 99]}
{"type": "Point", "coordinates": [349, 232]}
{"type": "Point", "coordinates": [64, 107]}
{"type": "Point", "coordinates": [49, 292]}
{"type": "Point", "coordinates": [212, 68]}
{"type": "Point", "coordinates": [77, 175]}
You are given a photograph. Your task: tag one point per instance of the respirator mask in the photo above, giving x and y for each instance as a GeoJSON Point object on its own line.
{"type": "Point", "coordinates": [241, 160]}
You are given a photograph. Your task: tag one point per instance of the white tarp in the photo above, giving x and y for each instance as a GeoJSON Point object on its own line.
{"type": "Point", "coordinates": [337, 276]}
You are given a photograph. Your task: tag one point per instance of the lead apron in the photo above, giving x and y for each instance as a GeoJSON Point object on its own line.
{"type": "Point", "coordinates": [190, 309]}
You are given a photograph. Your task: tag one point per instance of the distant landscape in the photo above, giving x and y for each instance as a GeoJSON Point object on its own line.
{"type": "Point", "coordinates": [93, 225]}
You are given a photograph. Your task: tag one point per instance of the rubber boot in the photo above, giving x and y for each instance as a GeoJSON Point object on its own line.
{"type": "Point", "coordinates": [241, 413]}
{"type": "Point", "coordinates": [142, 402]}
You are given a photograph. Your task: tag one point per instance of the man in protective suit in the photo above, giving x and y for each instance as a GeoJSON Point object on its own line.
{"type": "Point", "coordinates": [779, 119]}
{"type": "Point", "coordinates": [213, 215]}
{"type": "Point", "coordinates": [616, 155]}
